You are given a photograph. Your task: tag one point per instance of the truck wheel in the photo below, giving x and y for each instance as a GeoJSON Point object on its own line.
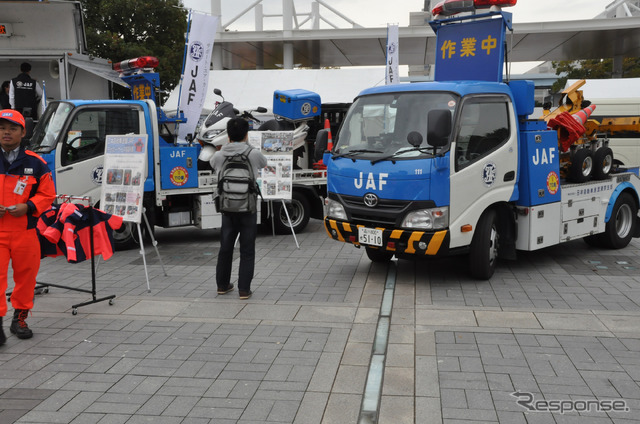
{"type": "Point", "coordinates": [378, 255]}
{"type": "Point", "coordinates": [483, 253]}
{"type": "Point", "coordinates": [602, 163]}
{"type": "Point", "coordinates": [621, 225]}
{"type": "Point", "coordinates": [581, 166]}
{"type": "Point", "coordinates": [127, 238]}
{"type": "Point", "coordinates": [299, 213]}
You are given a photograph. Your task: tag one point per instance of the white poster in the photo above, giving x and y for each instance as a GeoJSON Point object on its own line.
{"type": "Point", "coordinates": [202, 34]}
{"type": "Point", "coordinates": [393, 77]}
{"type": "Point", "coordinates": [125, 169]}
{"type": "Point", "coordinates": [276, 179]}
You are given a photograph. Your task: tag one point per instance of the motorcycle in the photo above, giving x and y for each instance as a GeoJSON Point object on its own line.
{"type": "Point", "coordinates": [213, 132]}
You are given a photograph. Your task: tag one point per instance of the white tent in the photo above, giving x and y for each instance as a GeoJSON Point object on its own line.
{"type": "Point", "coordinates": [250, 89]}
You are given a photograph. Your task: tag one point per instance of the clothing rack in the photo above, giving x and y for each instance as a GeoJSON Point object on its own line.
{"type": "Point", "coordinates": [63, 198]}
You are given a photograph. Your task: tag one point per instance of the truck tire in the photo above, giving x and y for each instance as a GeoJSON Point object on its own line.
{"type": "Point", "coordinates": [581, 166]}
{"type": "Point", "coordinates": [127, 237]}
{"type": "Point", "coordinates": [602, 163]}
{"type": "Point", "coordinates": [378, 255]}
{"type": "Point", "coordinates": [483, 253]}
{"type": "Point", "coordinates": [621, 225]}
{"type": "Point", "coordinates": [299, 213]}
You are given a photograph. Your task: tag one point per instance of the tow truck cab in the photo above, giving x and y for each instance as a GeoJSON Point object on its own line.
{"type": "Point", "coordinates": [71, 137]}
{"type": "Point", "coordinates": [428, 187]}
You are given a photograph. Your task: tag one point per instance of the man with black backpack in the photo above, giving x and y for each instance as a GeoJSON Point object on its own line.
{"type": "Point", "coordinates": [237, 165]}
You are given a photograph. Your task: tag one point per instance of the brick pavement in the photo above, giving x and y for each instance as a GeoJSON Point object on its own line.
{"type": "Point", "coordinates": [560, 324]}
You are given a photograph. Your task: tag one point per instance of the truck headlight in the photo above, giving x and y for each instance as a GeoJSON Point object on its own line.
{"type": "Point", "coordinates": [336, 210]}
{"type": "Point", "coordinates": [427, 219]}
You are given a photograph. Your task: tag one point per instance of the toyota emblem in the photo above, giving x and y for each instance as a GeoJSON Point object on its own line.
{"type": "Point", "coordinates": [371, 200]}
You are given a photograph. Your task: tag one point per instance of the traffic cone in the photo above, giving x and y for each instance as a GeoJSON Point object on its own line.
{"type": "Point", "coordinates": [327, 126]}
{"type": "Point", "coordinates": [584, 114]}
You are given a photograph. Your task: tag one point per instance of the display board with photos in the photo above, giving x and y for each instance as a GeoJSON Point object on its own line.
{"type": "Point", "coordinates": [125, 170]}
{"type": "Point", "coordinates": [276, 179]}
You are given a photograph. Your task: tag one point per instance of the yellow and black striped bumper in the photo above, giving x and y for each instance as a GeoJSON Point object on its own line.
{"type": "Point", "coordinates": [421, 243]}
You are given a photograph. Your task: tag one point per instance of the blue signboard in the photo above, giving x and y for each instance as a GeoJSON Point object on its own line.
{"type": "Point", "coordinates": [142, 85]}
{"type": "Point", "coordinates": [471, 50]}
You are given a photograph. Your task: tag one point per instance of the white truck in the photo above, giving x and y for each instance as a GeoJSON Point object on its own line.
{"type": "Point", "coordinates": [57, 53]}
{"type": "Point", "coordinates": [486, 183]}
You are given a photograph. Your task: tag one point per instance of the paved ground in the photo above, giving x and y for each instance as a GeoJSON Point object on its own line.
{"type": "Point", "coordinates": [561, 327]}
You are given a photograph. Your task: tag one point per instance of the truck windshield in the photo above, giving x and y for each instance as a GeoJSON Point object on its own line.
{"type": "Point", "coordinates": [45, 134]}
{"type": "Point", "coordinates": [377, 125]}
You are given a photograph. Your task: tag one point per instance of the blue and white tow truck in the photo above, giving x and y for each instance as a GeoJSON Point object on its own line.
{"type": "Point", "coordinates": [455, 166]}
{"type": "Point", "coordinates": [71, 137]}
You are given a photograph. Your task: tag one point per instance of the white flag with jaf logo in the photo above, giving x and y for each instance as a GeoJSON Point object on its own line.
{"type": "Point", "coordinates": [202, 34]}
{"type": "Point", "coordinates": [392, 55]}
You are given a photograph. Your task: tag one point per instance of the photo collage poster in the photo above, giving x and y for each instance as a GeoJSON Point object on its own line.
{"type": "Point", "coordinates": [276, 179]}
{"type": "Point", "coordinates": [125, 169]}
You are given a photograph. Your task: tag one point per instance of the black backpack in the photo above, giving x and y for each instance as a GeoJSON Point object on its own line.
{"type": "Point", "coordinates": [237, 187]}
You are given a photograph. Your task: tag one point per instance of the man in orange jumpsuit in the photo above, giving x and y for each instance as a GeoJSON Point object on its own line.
{"type": "Point", "coordinates": [26, 190]}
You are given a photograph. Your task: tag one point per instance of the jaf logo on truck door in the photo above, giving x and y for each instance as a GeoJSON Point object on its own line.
{"type": "Point", "coordinates": [96, 175]}
{"type": "Point", "coordinates": [489, 174]}
{"type": "Point", "coordinates": [179, 176]}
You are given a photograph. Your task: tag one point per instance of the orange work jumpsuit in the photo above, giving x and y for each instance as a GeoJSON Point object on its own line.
{"type": "Point", "coordinates": [26, 180]}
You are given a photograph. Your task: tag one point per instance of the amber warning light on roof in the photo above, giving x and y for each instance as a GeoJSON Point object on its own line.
{"type": "Point", "coordinates": [452, 7]}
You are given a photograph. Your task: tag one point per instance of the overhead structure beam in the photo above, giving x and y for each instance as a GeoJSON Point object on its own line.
{"type": "Point", "coordinates": [545, 41]}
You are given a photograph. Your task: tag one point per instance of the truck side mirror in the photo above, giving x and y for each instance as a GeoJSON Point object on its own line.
{"type": "Point", "coordinates": [438, 127]}
{"type": "Point", "coordinates": [28, 126]}
{"type": "Point", "coordinates": [322, 139]}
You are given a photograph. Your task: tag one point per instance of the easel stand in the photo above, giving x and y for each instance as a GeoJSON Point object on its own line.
{"type": "Point", "coordinates": [284, 206]}
{"type": "Point", "coordinates": [155, 246]}
{"type": "Point", "coordinates": [94, 299]}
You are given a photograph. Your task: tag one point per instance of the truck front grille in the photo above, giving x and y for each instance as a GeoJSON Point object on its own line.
{"type": "Point", "coordinates": [388, 212]}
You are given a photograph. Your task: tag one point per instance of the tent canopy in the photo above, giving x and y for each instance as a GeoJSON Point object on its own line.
{"type": "Point", "coordinates": [249, 89]}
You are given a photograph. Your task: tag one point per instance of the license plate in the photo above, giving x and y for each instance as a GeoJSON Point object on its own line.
{"type": "Point", "coordinates": [370, 236]}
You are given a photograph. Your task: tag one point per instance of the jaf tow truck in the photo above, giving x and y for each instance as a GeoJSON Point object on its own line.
{"type": "Point", "coordinates": [71, 137]}
{"type": "Point", "coordinates": [455, 166]}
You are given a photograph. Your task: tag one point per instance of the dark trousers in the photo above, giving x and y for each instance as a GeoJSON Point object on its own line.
{"type": "Point", "coordinates": [246, 225]}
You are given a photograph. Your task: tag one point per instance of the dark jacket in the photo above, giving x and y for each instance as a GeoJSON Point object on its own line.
{"type": "Point", "coordinates": [24, 94]}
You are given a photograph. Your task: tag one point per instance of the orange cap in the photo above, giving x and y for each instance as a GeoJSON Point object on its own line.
{"type": "Point", "coordinates": [12, 116]}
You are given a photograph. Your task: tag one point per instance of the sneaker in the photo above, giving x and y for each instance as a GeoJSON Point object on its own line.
{"type": "Point", "coordinates": [225, 291]}
{"type": "Point", "coordinates": [3, 338]}
{"type": "Point", "coordinates": [245, 295]}
{"type": "Point", "coordinates": [19, 326]}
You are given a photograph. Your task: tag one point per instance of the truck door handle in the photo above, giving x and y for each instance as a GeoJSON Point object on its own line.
{"type": "Point", "coordinates": [510, 176]}
{"type": "Point", "coordinates": [60, 171]}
